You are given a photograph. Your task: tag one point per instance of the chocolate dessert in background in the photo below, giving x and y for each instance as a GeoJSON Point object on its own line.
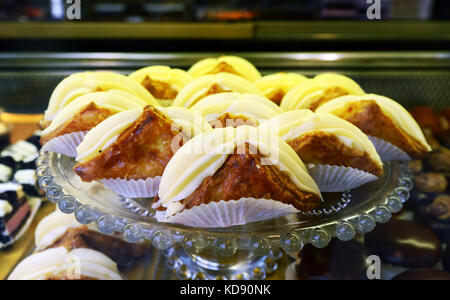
{"type": "Point", "coordinates": [405, 244]}
{"type": "Point", "coordinates": [14, 211]}
{"type": "Point", "coordinates": [430, 198]}
{"type": "Point", "coordinates": [338, 261]}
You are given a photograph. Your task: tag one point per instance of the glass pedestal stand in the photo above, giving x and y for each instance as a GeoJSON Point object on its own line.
{"type": "Point", "coordinates": [250, 251]}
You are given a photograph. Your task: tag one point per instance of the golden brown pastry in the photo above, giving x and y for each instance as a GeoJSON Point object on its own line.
{"type": "Point", "coordinates": [142, 150]}
{"type": "Point", "coordinates": [80, 84]}
{"type": "Point", "coordinates": [243, 165]}
{"type": "Point", "coordinates": [382, 118]}
{"type": "Point", "coordinates": [312, 93]}
{"type": "Point", "coordinates": [225, 64]}
{"type": "Point", "coordinates": [133, 147]}
{"type": "Point", "coordinates": [235, 109]}
{"type": "Point", "coordinates": [275, 86]}
{"type": "Point", "coordinates": [321, 138]}
{"type": "Point", "coordinates": [213, 84]}
{"type": "Point", "coordinates": [163, 82]}
{"type": "Point", "coordinates": [61, 264]}
{"type": "Point", "coordinates": [81, 115]}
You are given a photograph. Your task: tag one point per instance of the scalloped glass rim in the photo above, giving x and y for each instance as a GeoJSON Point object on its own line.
{"type": "Point", "coordinates": [371, 203]}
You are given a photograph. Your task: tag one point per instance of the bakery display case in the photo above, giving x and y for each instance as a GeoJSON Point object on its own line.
{"type": "Point", "coordinates": [240, 252]}
{"type": "Point", "coordinates": [224, 140]}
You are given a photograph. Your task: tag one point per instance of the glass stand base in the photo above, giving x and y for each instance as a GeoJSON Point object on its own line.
{"type": "Point", "coordinates": [205, 266]}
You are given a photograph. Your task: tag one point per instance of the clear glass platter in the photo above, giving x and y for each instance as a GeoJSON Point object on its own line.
{"type": "Point", "coordinates": [249, 251]}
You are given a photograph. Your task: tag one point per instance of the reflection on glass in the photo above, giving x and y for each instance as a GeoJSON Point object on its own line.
{"type": "Point", "coordinates": [221, 10]}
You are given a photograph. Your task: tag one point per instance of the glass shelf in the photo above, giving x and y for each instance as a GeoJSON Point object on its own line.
{"type": "Point", "coordinates": [249, 251]}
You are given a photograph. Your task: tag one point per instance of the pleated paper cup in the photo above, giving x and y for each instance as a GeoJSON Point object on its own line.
{"type": "Point", "coordinates": [65, 144]}
{"type": "Point", "coordinates": [134, 188]}
{"type": "Point", "coordinates": [387, 151]}
{"type": "Point", "coordinates": [338, 179]}
{"type": "Point", "coordinates": [232, 213]}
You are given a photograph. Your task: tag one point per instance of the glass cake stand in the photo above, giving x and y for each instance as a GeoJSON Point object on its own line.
{"type": "Point", "coordinates": [249, 251]}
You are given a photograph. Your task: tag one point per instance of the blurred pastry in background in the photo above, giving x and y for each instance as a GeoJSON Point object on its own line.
{"type": "Point", "coordinates": [72, 122]}
{"type": "Point", "coordinates": [393, 131]}
{"type": "Point", "coordinates": [163, 82]}
{"type": "Point", "coordinates": [61, 230]}
{"type": "Point", "coordinates": [129, 151]}
{"type": "Point", "coordinates": [432, 124]}
{"type": "Point", "coordinates": [61, 264]}
{"type": "Point", "coordinates": [7, 168]}
{"type": "Point", "coordinates": [213, 84]}
{"type": "Point", "coordinates": [275, 86]}
{"type": "Point", "coordinates": [338, 154]}
{"type": "Point", "coordinates": [225, 64]}
{"type": "Point", "coordinates": [79, 84]}
{"type": "Point", "coordinates": [23, 152]}
{"type": "Point", "coordinates": [403, 245]}
{"type": "Point", "coordinates": [16, 213]}
{"type": "Point", "coordinates": [235, 109]}
{"type": "Point", "coordinates": [312, 93]}
{"type": "Point", "coordinates": [423, 274]}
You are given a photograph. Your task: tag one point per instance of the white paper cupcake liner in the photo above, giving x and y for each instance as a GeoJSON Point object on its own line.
{"type": "Point", "coordinates": [232, 213]}
{"type": "Point", "coordinates": [65, 144]}
{"type": "Point", "coordinates": [387, 151]}
{"type": "Point", "coordinates": [339, 179]}
{"type": "Point", "coordinates": [134, 188]}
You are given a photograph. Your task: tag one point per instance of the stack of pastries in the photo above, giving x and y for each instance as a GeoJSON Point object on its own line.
{"type": "Point", "coordinates": [221, 145]}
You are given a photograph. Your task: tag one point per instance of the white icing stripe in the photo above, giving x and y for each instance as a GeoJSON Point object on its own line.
{"type": "Point", "coordinates": [5, 208]}
{"type": "Point", "coordinates": [283, 81]}
{"type": "Point", "coordinates": [10, 187]}
{"type": "Point", "coordinates": [5, 173]}
{"type": "Point", "coordinates": [87, 82]}
{"type": "Point", "coordinates": [25, 177]}
{"type": "Point", "coordinates": [176, 78]}
{"type": "Point", "coordinates": [105, 134]}
{"type": "Point", "coordinates": [308, 91]}
{"type": "Point", "coordinates": [251, 106]}
{"type": "Point", "coordinates": [192, 91]}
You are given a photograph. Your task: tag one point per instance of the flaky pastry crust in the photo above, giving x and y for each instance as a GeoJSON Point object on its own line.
{"type": "Point", "coordinates": [86, 119]}
{"type": "Point", "coordinates": [223, 67]}
{"type": "Point", "coordinates": [245, 175]}
{"type": "Point", "coordinates": [368, 116]}
{"type": "Point", "coordinates": [319, 147]}
{"type": "Point", "coordinates": [159, 89]}
{"type": "Point", "coordinates": [329, 94]}
{"type": "Point", "coordinates": [115, 248]}
{"type": "Point", "coordinates": [141, 151]}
